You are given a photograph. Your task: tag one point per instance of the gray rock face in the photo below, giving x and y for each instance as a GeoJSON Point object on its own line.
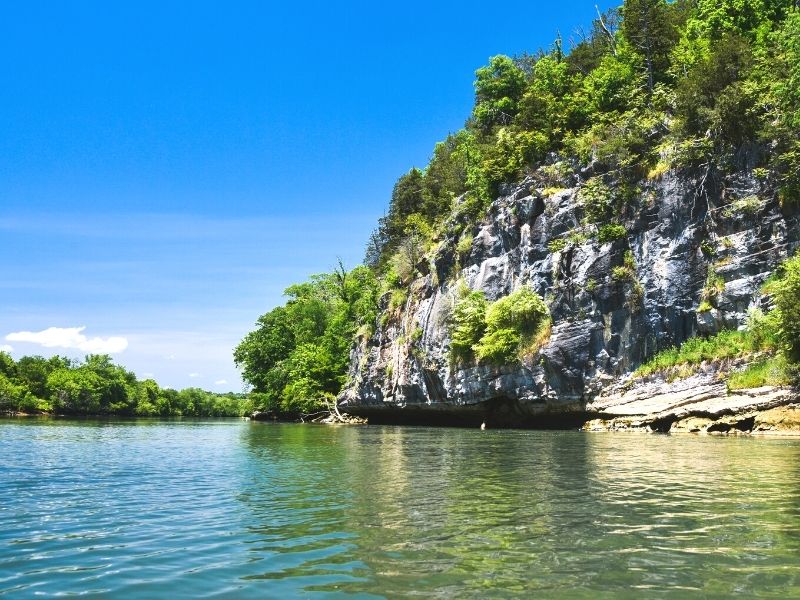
{"type": "Point", "coordinates": [605, 322]}
{"type": "Point", "coordinates": [698, 404]}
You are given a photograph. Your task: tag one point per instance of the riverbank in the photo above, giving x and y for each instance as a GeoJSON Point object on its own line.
{"type": "Point", "coordinates": [697, 404]}
{"type": "Point", "coordinates": [701, 403]}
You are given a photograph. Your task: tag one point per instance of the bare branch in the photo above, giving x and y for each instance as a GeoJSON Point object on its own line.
{"type": "Point", "coordinates": [609, 34]}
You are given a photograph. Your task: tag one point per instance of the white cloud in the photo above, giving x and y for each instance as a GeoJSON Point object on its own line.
{"type": "Point", "coordinates": [220, 382]}
{"type": "Point", "coordinates": [70, 337]}
{"type": "Point", "coordinates": [6, 348]}
{"type": "Point", "coordinates": [193, 375]}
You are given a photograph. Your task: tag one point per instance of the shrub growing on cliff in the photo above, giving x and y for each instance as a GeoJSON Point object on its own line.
{"type": "Point", "coordinates": [597, 201]}
{"type": "Point", "coordinates": [786, 291]}
{"type": "Point", "coordinates": [467, 324]}
{"type": "Point", "coordinates": [522, 311]}
{"type": "Point", "coordinates": [496, 332]}
{"type": "Point", "coordinates": [499, 346]}
{"type": "Point", "coordinates": [609, 233]}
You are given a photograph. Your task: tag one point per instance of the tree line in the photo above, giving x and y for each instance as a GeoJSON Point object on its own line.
{"type": "Point", "coordinates": [96, 386]}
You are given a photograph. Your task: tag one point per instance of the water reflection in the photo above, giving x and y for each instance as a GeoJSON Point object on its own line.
{"type": "Point", "coordinates": [249, 510]}
{"type": "Point", "coordinates": [461, 513]}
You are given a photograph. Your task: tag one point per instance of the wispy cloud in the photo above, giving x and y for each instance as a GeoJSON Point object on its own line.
{"type": "Point", "coordinates": [6, 348]}
{"type": "Point", "coordinates": [221, 382]}
{"type": "Point", "coordinates": [194, 375]}
{"type": "Point", "coordinates": [70, 337]}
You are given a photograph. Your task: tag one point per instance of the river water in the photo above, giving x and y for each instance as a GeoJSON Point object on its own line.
{"type": "Point", "coordinates": [234, 509]}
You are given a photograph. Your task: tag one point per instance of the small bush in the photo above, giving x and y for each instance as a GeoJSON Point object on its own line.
{"type": "Point", "coordinates": [609, 233]}
{"type": "Point", "coordinates": [576, 237]}
{"type": "Point", "coordinates": [552, 191]}
{"type": "Point", "coordinates": [597, 200]}
{"type": "Point", "coordinates": [468, 324]}
{"type": "Point", "coordinates": [463, 247]}
{"type": "Point", "coordinates": [557, 245]}
{"type": "Point", "coordinates": [789, 198]}
{"type": "Point", "coordinates": [715, 286]}
{"type": "Point", "coordinates": [705, 306]}
{"type": "Point", "coordinates": [497, 332]}
{"type": "Point", "coordinates": [620, 273]}
{"type": "Point", "coordinates": [743, 206]}
{"type": "Point", "coordinates": [660, 169]}
{"type": "Point", "coordinates": [786, 292]}
{"type": "Point", "coordinates": [498, 346]}
{"type": "Point", "coordinates": [398, 299]}
{"type": "Point", "coordinates": [522, 310]}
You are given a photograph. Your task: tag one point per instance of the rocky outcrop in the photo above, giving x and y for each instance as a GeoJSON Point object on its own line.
{"type": "Point", "coordinates": [609, 314]}
{"type": "Point", "coordinates": [698, 404]}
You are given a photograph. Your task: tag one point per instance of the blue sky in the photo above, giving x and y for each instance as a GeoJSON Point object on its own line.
{"type": "Point", "coordinates": [168, 168]}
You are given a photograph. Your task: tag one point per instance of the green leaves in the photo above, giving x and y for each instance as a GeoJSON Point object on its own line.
{"type": "Point", "coordinates": [297, 357]}
{"type": "Point", "coordinates": [597, 199]}
{"type": "Point", "coordinates": [498, 89]}
{"type": "Point", "coordinates": [468, 324]}
{"type": "Point", "coordinates": [495, 332]}
{"type": "Point", "coordinates": [786, 292]}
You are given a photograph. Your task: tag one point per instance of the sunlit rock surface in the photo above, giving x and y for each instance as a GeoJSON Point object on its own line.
{"type": "Point", "coordinates": [603, 327]}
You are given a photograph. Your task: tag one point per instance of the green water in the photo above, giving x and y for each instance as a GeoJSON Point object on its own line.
{"type": "Point", "coordinates": [232, 509]}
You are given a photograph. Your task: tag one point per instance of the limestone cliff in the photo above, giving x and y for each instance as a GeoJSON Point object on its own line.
{"type": "Point", "coordinates": [606, 321]}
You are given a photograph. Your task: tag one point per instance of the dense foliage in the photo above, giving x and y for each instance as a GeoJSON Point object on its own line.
{"type": "Point", "coordinates": [96, 386]}
{"type": "Point", "coordinates": [296, 360]}
{"type": "Point", "coordinates": [497, 332]}
{"type": "Point", "coordinates": [654, 85]}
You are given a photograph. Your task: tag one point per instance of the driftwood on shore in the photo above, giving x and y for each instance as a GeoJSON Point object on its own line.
{"type": "Point", "coordinates": [331, 414]}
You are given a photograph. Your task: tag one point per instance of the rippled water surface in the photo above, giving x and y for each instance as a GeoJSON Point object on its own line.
{"type": "Point", "coordinates": [234, 509]}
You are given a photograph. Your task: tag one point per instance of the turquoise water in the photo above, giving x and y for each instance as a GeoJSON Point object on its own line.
{"type": "Point", "coordinates": [232, 509]}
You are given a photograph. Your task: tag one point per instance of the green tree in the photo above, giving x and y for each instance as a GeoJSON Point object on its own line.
{"type": "Point", "coordinates": [648, 27]}
{"type": "Point", "coordinates": [11, 394]}
{"type": "Point", "coordinates": [75, 391]}
{"type": "Point", "coordinates": [498, 89]}
{"type": "Point", "coordinates": [33, 371]}
{"type": "Point", "coordinates": [298, 356]}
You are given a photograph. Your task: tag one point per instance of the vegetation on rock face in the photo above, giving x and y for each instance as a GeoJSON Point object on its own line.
{"type": "Point", "coordinates": [786, 291]}
{"type": "Point", "coordinates": [96, 386]}
{"type": "Point", "coordinates": [653, 86]}
{"type": "Point", "coordinates": [467, 324]}
{"type": "Point", "coordinates": [772, 338]}
{"type": "Point", "coordinates": [496, 332]}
